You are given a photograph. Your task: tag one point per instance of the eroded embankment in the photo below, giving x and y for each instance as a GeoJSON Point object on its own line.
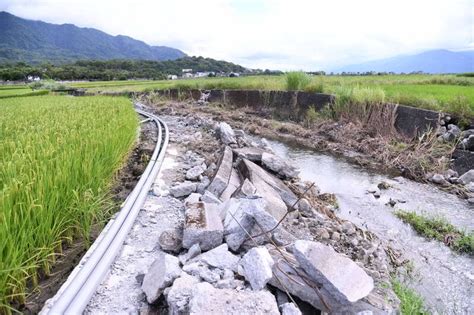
{"type": "Point", "coordinates": [189, 250]}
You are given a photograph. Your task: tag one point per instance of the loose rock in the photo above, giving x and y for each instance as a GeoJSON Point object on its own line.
{"type": "Point", "coordinates": [195, 172]}
{"type": "Point", "coordinates": [171, 240]}
{"type": "Point", "coordinates": [219, 257]}
{"type": "Point", "coordinates": [279, 166]}
{"type": "Point", "coordinates": [180, 293]}
{"type": "Point", "coordinates": [289, 309]}
{"type": "Point", "coordinates": [160, 275]}
{"type": "Point", "coordinates": [226, 133]}
{"type": "Point", "coordinates": [183, 189]}
{"type": "Point", "coordinates": [467, 177]}
{"type": "Point", "coordinates": [202, 226]}
{"type": "Point", "coordinates": [208, 300]}
{"type": "Point", "coordinates": [256, 267]}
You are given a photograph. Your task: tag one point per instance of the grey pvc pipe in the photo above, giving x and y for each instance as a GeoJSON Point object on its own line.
{"type": "Point", "coordinates": [76, 295]}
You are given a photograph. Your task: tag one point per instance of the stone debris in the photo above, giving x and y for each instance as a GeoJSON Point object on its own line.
{"type": "Point", "coordinates": [324, 266]}
{"type": "Point", "coordinates": [289, 309]}
{"type": "Point", "coordinates": [226, 133]}
{"type": "Point", "coordinates": [246, 190]}
{"type": "Point", "coordinates": [279, 166]}
{"type": "Point", "coordinates": [195, 172]}
{"type": "Point", "coordinates": [219, 257]}
{"type": "Point", "coordinates": [171, 240]}
{"type": "Point", "coordinates": [208, 300]}
{"type": "Point", "coordinates": [160, 275]}
{"type": "Point", "coordinates": [250, 153]}
{"type": "Point", "coordinates": [192, 252]}
{"type": "Point", "coordinates": [232, 185]}
{"type": "Point", "coordinates": [247, 196]}
{"type": "Point", "coordinates": [210, 198]}
{"type": "Point", "coordinates": [183, 189]}
{"type": "Point", "coordinates": [202, 226]}
{"type": "Point", "coordinates": [256, 267]}
{"type": "Point", "coordinates": [221, 179]}
{"type": "Point", "coordinates": [467, 177]}
{"type": "Point", "coordinates": [180, 293]}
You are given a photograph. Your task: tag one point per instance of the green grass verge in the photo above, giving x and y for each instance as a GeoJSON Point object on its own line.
{"type": "Point", "coordinates": [9, 93]}
{"type": "Point", "coordinates": [410, 302]}
{"type": "Point", "coordinates": [439, 229]}
{"type": "Point", "coordinates": [58, 157]}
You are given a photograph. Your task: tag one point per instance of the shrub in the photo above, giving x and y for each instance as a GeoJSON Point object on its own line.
{"type": "Point", "coordinates": [315, 87]}
{"type": "Point", "coordinates": [297, 80]}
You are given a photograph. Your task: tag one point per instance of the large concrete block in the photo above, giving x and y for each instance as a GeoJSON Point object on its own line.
{"type": "Point", "coordinates": [462, 161]}
{"type": "Point", "coordinates": [232, 186]}
{"type": "Point", "coordinates": [208, 300]}
{"type": "Point", "coordinates": [236, 98]}
{"type": "Point", "coordinates": [221, 179]}
{"type": "Point", "coordinates": [412, 121]}
{"type": "Point", "coordinates": [345, 281]}
{"type": "Point", "coordinates": [249, 153]}
{"type": "Point", "coordinates": [256, 267]}
{"type": "Point", "coordinates": [255, 173]}
{"type": "Point", "coordinates": [202, 226]}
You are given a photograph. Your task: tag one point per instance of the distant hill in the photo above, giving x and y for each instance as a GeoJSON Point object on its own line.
{"type": "Point", "coordinates": [433, 61]}
{"type": "Point", "coordinates": [36, 42]}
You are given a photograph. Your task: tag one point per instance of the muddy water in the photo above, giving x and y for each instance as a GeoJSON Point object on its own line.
{"type": "Point", "coordinates": [443, 278]}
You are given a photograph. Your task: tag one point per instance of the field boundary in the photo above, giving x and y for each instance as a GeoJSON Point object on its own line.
{"type": "Point", "coordinates": [293, 105]}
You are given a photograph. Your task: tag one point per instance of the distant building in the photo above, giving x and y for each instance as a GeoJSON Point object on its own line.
{"type": "Point", "coordinates": [234, 74]}
{"type": "Point", "coordinates": [172, 77]}
{"type": "Point", "coordinates": [187, 75]}
{"type": "Point", "coordinates": [203, 74]}
{"type": "Point", "coordinates": [187, 70]}
{"type": "Point", "coordinates": [33, 78]}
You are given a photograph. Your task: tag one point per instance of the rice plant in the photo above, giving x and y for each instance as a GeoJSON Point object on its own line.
{"type": "Point", "coordinates": [58, 156]}
{"type": "Point", "coordinates": [296, 80]}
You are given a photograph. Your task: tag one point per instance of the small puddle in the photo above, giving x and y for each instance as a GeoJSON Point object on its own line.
{"type": "Point", "coordinates": [444, 279]}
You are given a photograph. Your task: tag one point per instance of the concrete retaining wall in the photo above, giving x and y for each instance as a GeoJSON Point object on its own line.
{"type": "Point", "coordinates": [293, 105]}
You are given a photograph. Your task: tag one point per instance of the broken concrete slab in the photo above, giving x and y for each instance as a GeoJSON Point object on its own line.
{"type": "Point", "coordinates": [240, 218]}
{"type": "Point", "coordinates": [286, 276]}
{"type": "Point", "coordinates": [246, 190]}
{"type": "Point", "coordinates": [183, 189]}
{"type": "Point", "coordinates": [201, 270]}
{"type": "Point", "coordinates": [339, 275]}
{"type": "Point", "coordinates": [219, 257]}
{"type": "Point", "coordinates": [250, 153]}
{"type": "Point", "coordinates": [222, 176]}
{"type": "Point", "coordinates": [160, 275]}
{"type": "Point", "coordinates": [208, 300]}
{"type": "Point", "coordinates": [180, 293]}
{"type": "Point", "coordinates": [202, 226]}
{"type": "Point", "coordinates": [279, 166]}
{"type": "Point", "coordinates": [192, 198]}
{"type": "Point", "coordinates": [232, 186]}
{"type": "Point", "coordinates": [226, 133]}
{"type": "Point", "coordinates": [171, 240]}
{"type": "Point", "coordinates": [256, 267]}
{"type": "Point", "coordinates": [210, 198]}
{"type": "Point", "coordinates": [259, 176]}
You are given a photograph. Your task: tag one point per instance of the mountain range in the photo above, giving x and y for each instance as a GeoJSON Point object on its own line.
{"type": "Point", "coordinates": [36, 42]}
{"type": "Point", "coordinates": [432, 61]}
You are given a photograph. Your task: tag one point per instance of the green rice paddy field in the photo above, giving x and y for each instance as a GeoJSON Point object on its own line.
{"type": "Point", "coordinates": [58, 157]}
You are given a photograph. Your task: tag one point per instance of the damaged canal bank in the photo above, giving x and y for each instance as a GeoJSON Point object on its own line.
{"type": "Point", "coordinates": [231, 225]}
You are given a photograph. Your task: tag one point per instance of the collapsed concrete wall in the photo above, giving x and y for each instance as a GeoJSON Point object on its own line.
{"type": "Point", "coordinates": [293, 105]}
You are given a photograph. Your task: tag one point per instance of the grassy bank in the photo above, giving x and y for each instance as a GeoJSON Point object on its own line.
{"type": "Point", "coordinates": [439, 229]}
{"type": "Point", "coordinates": [438, 92]}
{"type": "Point", "coordinates": [410, 302]}
{"type": "Point", "coordinates": [58, 157]}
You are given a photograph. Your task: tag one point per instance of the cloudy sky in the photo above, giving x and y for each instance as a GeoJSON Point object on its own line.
{"type": "Point", "coordinates": [275, 34]}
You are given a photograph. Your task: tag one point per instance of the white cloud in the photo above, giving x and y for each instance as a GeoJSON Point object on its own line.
{"type": "Point", "coordinates": [293, 34]}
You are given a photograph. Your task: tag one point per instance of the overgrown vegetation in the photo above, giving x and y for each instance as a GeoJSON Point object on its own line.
{"type": "Point", "coordinates": [439, 229]}
{"type": "Point", "coordinates": [58, 157]}
{"type": "Point", "coordinates": [296, 80]}
{"type": "Point", "coordinates": [410, 302]}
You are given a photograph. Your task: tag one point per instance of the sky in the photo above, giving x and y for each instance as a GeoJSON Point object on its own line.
{"type": "Point", "coordinates": [272, 34]}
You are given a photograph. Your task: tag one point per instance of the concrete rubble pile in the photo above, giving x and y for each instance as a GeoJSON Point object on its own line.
{"type": "Point", "coordinates": [234, 256]}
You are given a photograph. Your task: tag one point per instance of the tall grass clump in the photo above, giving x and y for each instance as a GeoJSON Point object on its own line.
{"type": "Point", "coordinates": [296, 80]}
{"type": "Point", "coordinates": [58, 158]}
{"type": "Point", "coordinates": [411, 303]}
